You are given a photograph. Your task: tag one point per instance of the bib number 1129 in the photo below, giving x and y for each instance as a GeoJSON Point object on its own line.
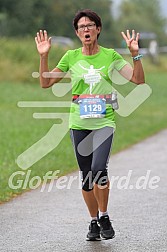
{"type": "Point", "coordinates": [93, 108]}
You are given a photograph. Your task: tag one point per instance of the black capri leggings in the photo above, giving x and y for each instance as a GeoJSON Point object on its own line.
{"type": "Point", "coordinates": [92, 149]}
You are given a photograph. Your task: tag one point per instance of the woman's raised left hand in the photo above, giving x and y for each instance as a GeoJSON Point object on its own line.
{"type": "Point", "coordinates": [132, 42]}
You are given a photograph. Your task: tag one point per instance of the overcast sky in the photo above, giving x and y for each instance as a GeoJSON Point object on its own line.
{"type": "Point", "coordinates": [164, 7]}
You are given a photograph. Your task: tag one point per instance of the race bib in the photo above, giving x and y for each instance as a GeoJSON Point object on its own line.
{"type": "Point", "coordinates": [92, 106]}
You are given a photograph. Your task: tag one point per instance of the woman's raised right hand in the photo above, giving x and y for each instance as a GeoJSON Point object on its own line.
{"type": "Point", "coordinates": [43, 42]}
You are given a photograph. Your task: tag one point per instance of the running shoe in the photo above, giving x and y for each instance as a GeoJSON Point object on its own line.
{"type": "Point", "coordinates": [94, 231]}
{"type": "Point", "coordinates": [106, 229]}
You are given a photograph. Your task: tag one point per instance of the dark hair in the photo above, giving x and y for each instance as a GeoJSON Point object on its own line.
{"type": "Point", "coordinates": [87, 13]}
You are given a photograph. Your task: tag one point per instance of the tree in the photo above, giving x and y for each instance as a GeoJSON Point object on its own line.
{"type": "Point", "coordinates": [22, 17]}
{"type": "Point", "coordinates": [61, 13]}
{"type": "Point", "coordinates": [143, 16]}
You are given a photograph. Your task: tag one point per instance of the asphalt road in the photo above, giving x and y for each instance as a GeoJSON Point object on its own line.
{"type": "Point", "coordinates": [58, 220]}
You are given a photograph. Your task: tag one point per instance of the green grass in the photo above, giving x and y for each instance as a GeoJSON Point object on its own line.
{"type": "Point", "coordinates": [19, 59]}
{"type": "Point", "coordinates": [148, 118]}
{"type": "Point", "coordinates": [19, 131]}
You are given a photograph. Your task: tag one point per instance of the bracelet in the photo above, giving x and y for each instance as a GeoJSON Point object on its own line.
{"type": "Point", "coordinates": [138, 57]}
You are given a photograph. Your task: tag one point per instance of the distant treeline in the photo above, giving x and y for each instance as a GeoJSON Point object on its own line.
{"type": "Point", "coordinates": [22, 18]}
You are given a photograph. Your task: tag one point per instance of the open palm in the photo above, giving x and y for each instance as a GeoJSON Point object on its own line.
{"type": "Point", "coordinates": [43, 42]}
{"type": "Point", "coordinates": [132, 42]}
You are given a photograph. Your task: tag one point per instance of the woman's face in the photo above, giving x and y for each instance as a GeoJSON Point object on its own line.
{"type": "Point", "coordinates": [87, 31]}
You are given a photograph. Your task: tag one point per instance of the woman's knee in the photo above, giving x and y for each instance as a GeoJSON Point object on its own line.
{"type": "Point", "coordinates": [100, 177]}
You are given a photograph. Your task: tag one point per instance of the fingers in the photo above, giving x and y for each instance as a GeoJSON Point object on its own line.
{"type": "Point", "coordinates": [41, 36]}
{"type": "Point", "coordinates": [50, 40]}
{"type": "Point", "coordinates": [133, 34]}
{"type": "Point", "coordinates": [129, 37]}
{"type": "Point", "coordinates": [137, 37]}
{"type": "Point", "coordinates": [123, 35]}
{"type": "Point", "coordinates": [36, 40]}
{"type": "Point", "coordinates": [45, 35]}
{"type": "Point", "coordinates": [128, 34]}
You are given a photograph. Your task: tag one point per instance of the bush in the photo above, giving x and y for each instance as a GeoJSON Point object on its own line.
{"type": "Point", "coordinates": [19, 59]}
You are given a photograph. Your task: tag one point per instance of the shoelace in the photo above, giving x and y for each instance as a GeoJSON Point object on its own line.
{"type": "Point", "coordinates": [105, 222]}
{"type": "Point", "coordinates": [93, 226]}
